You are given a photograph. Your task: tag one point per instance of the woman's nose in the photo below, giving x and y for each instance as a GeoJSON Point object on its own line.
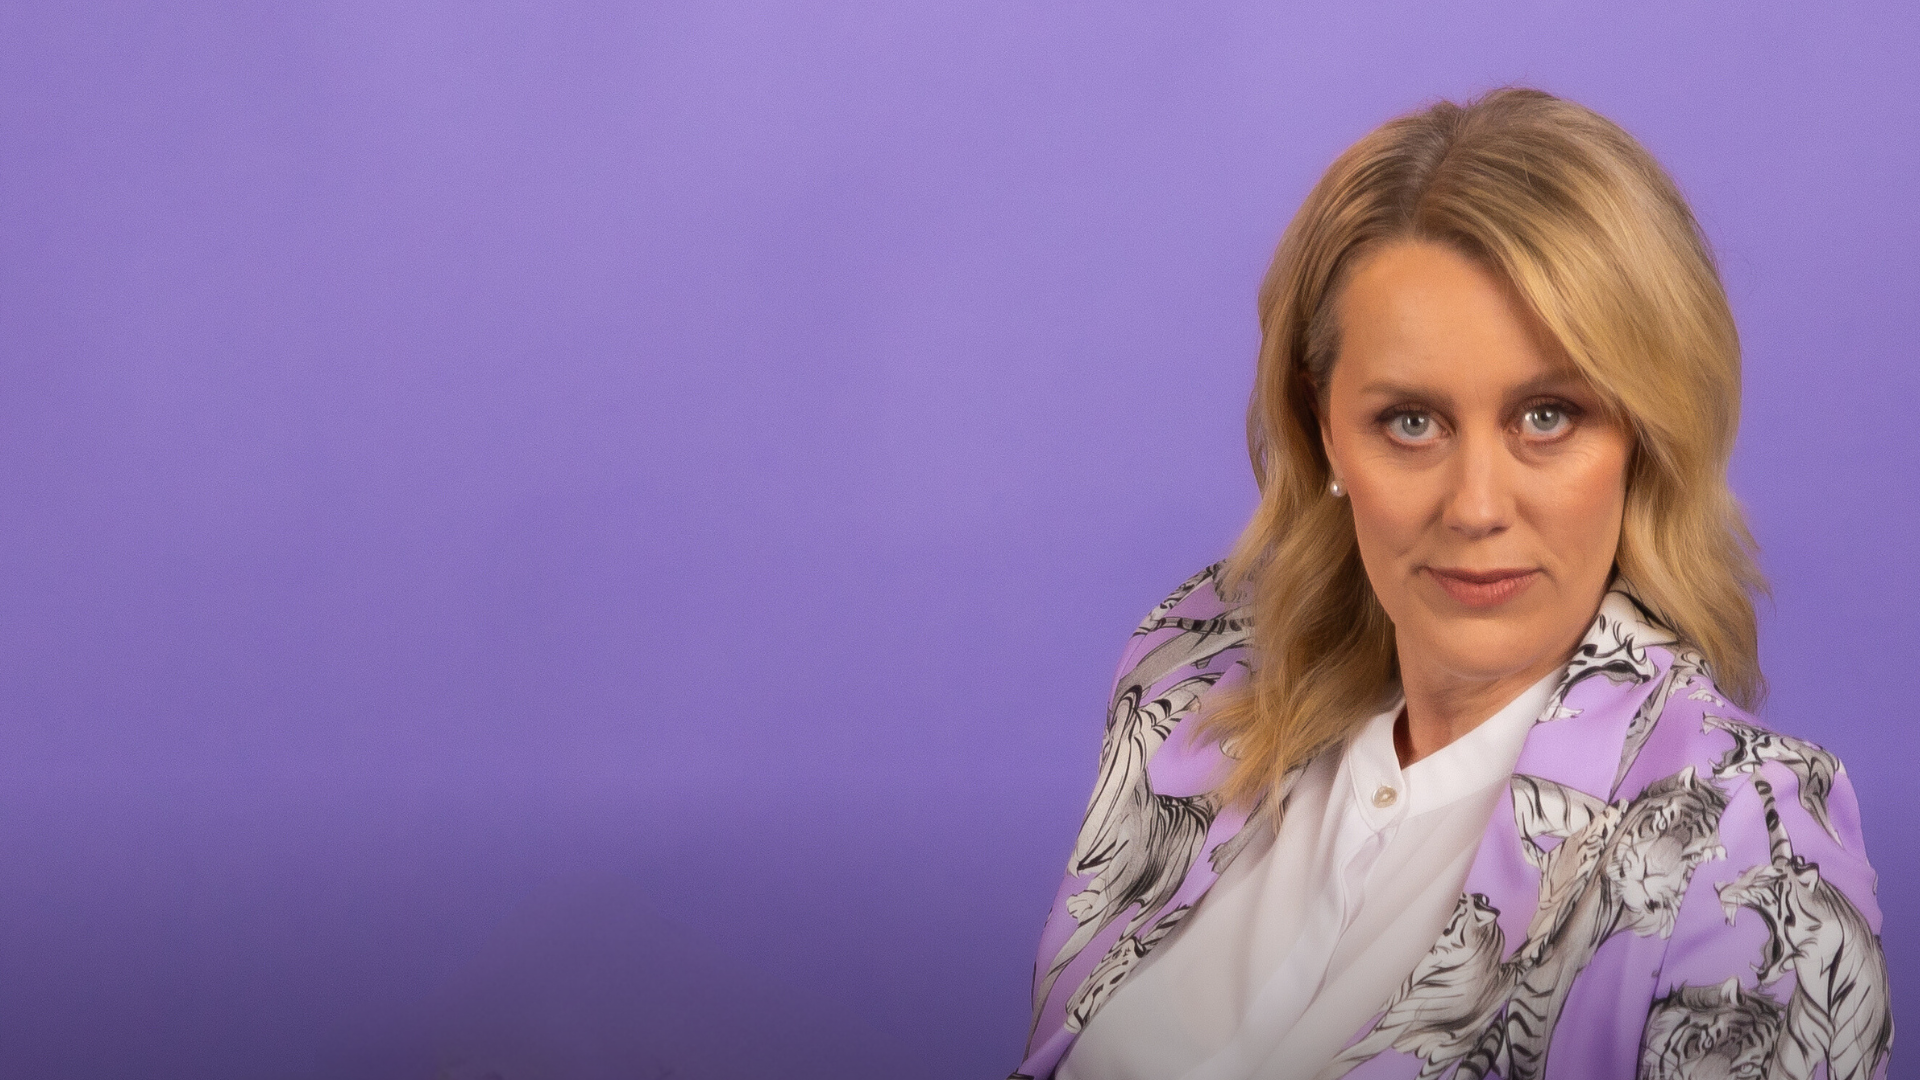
{"type": "Point", "coordinates": [1481, 500]}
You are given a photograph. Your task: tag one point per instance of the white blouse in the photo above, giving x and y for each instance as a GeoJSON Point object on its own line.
{"type": "Point", "coordinates": [1305, 937]}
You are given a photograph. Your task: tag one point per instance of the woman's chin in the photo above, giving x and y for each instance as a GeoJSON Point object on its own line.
{"type": "Point", "coordinates": [1482, 649]}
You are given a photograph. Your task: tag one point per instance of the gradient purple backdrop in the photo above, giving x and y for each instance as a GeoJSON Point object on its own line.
{"type": "Point", "coordinates": [574, 539]}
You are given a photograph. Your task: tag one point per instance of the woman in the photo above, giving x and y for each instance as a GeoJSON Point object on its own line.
{"type": "Point", "coordinates": [1448, 766]}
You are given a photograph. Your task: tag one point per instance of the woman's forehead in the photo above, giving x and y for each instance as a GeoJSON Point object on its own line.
{"type": "Point", "coordinates": [1421, 315]}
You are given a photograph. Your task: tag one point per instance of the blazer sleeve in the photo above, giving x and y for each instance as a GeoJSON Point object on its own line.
{"type": "Point", "coordinates": [1057, 915]}
{"type": "Point", "coordinates": [1123, 859]}
{"type": "Point", "coordinates": [1775, 962]}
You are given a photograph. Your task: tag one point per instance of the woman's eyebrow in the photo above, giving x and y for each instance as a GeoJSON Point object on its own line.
{"type": "Point", "coordinates": [1388, 388]}
{"type": "Point", "coordinates": [1549, 381]}
{"type": "Point", "coordinates": [1546, 380]}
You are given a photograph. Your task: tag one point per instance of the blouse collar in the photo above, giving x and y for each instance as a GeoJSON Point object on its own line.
{"type": "Point", "coordinates": [1473, 762]}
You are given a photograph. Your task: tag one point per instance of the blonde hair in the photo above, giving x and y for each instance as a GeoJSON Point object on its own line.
{"type": "Point", "coordinates": [1594, 235]}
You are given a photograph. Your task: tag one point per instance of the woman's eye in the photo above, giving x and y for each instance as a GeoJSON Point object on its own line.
{"type": "Point", "coordinates": [1545, 420]}
{"type": "Point", "coordinates": [1412, 427]}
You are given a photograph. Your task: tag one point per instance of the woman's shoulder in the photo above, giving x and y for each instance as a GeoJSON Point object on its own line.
{"type": "Point", "coordinates": [1749, 757]}
{"type": "Point", "coordinates": [1200, 629]}
{"type": "Point", "coordinates": [1787, 801]}
{"type": "Point", "coordinates": [1688, 723]}
{"type": "Point", "coordinates": [1683, 720]}
{"type": "Point", "coordinates": [1204, 595]}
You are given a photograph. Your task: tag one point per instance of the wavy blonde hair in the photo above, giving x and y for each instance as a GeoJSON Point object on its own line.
{"type": "Point", "coordinates": [1594, 235]}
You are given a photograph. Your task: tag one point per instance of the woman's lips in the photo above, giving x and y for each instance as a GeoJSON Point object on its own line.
{"type": "Point", "coordinates": [1482, 588]}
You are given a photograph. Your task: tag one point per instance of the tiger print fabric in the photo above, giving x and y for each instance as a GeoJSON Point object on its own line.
{"type": "Point", "coordinates": [1668, 890]}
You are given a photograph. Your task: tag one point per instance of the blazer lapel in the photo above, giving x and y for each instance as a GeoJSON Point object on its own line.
{"type": "Point", "coordinates": [1581, 734]}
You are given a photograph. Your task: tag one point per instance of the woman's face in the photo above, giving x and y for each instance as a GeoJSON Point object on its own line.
{"type": "Point", "coordinates": [1486, 478]}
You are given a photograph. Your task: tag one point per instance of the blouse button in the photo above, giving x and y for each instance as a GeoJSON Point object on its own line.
{"type": "Point", "coordinates": [1384, 796]}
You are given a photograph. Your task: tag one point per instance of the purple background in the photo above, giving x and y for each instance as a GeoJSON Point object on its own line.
{"type": "Point", "coordinates": [569, 539]}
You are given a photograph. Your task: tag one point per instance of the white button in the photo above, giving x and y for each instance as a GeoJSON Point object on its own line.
{"type": "Point", "coordinates": [1383, 797]}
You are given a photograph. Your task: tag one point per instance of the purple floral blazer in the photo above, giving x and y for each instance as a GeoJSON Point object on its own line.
{"type": "Point", "coordinates": [1666, 889]}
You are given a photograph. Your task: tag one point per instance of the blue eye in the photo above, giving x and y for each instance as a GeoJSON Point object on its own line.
{"type": "Point", "coordinates": [1545, 420]}
{"type": "Point", "coordinates": [1412, 427]}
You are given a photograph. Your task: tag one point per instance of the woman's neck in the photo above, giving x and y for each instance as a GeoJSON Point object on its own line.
{"type": "Point", "coordinates": [1442, 706]}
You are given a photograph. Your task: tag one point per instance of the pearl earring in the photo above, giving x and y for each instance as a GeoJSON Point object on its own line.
{"type": "Point", "coordinates": [1334, 487]}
